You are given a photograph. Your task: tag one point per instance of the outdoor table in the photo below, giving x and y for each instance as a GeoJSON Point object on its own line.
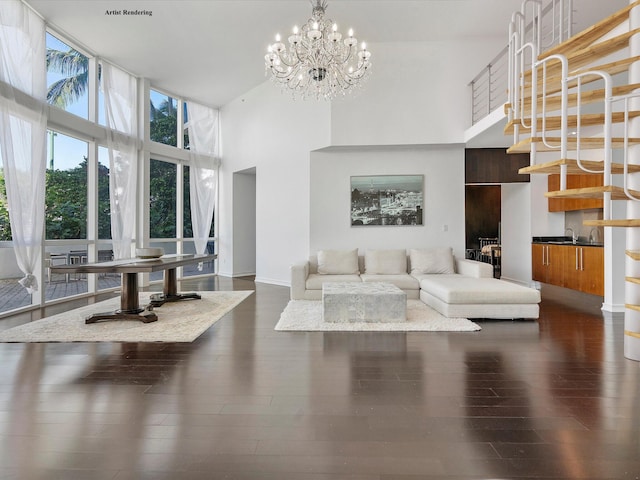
{"type": "Point", "coordinates": [129, 268]}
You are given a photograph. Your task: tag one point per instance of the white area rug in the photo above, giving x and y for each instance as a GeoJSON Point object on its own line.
{"type": "Point", "coordinates": [177, 322]}
{"type": "Point", "coordinates": [306, 315]}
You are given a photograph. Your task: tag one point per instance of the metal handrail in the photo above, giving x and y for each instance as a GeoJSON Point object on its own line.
{"type": "Point", "coordinates": [558, 13]}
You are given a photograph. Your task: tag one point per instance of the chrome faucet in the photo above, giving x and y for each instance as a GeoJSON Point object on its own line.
{"type": "Point", "coordinates": [574, 237]}
{"type": "Point", "coordinates": [592, 237]}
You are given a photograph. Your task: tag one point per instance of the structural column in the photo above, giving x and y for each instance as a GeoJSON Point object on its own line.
{"type": "Point", "coordinates": [632, 267]}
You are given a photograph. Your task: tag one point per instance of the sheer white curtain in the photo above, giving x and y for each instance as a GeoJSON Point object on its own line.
{"type": "Point", "coordinates": [120, 101]}
{"type": "Point", "coordinates": [203, 170]}
{"type": "Point", "coordinates": [23, 130]}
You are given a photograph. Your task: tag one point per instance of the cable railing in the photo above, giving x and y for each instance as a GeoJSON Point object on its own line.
{"type": "Point", "coordinates": [549, 26]}
{"type": "Point", "coordinates": [489, 88]}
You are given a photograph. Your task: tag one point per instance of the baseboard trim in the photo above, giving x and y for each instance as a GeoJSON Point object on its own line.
{"type": "Point", "coordinates": [246, 274]}
{"type": "Point", "coordinates": [272, 281]}
{"type": "Point", "coordinates": [532, 284]}
{"type": "Point", "coordinates": [236, 275]}
{"type": "Point", "coordinates": [613, 307]}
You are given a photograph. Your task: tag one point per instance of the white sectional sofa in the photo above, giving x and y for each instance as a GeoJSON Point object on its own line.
{"type": "Point", "coordinates": [452, 286]}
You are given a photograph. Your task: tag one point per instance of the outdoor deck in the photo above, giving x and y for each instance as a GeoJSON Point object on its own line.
{"type": "Point", "coordinates": [13, 295]}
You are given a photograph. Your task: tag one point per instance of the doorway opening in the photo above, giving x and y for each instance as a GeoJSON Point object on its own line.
{"type": "Point", "coordinates": [244, 223]}
{"type": "Point", "coordinates": [483, 209]}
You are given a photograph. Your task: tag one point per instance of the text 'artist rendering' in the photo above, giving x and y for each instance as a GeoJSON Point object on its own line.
{"type": "Point", "coordinates": [318, 61]}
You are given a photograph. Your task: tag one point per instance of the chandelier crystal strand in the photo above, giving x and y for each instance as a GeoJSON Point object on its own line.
{"type": "Point", "coordinates": [318, 62]}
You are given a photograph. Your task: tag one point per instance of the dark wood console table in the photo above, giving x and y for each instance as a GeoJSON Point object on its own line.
{"type": "Point", "coordinates": [129, 304]}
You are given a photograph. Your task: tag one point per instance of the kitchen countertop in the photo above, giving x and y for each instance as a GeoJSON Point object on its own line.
{"type": "Point", "coordinates": [562, 240]}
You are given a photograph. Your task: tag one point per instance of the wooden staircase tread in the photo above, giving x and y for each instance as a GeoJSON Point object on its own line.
{"type": "Point", "coordinates": [586, 120]}
{"type": "Point", "coordinates": [579, 60]}
{"type": "Point", "coordinates": [573, 168]}
{"type": "Point", "coordinates": [589, 54]}
{"type": "Point", "coordinates": [632, 280]}
{"type": "Point", "coordinates": [592, 33]}
{"type": "Point", "coordinates": [617, 193]}
{"type": "Point", "coordinates": [634, 254]}
{"type": "Point", "coordinates": [628, 222]}
{"type": "Point", "coordinates": [524, 146]}
{"type": "Point", "coordinates": [632, 307]}
{"type": "Point", "coordinates": [553, 82]}
{"type": "Point", "coordinates": [554, 102]}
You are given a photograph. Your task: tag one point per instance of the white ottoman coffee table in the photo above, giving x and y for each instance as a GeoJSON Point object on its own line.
{"type": "Point", "coordinates": [363, 302]}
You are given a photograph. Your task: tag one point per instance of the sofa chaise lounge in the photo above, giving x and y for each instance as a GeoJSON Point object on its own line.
{"type": "Point", "coordinates": [452, 286]}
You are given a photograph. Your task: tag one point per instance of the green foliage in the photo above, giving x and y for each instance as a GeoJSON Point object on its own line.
{"type": "Point", "coordinates": [66, 203]}
{"type": "Point", "coordinates": [188, 228]}
{"type": "Point", "coordinates": [162, 200]}
{"type": "Point", "coordinates": [5, 226]}
{"type": "Point", "coordinates": [66, 190]}
{"type": "Point", "coordinates": [104, 205]}
{"type": "Point", "coordinates": [163, 129]}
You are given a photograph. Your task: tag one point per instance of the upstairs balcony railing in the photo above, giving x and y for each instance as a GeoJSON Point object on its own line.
{"type": "Point", "coordinates": [554, 22]}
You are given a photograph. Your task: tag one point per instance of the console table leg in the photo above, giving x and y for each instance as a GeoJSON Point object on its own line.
{"type": "Point", "coordinates": [129, 305]}
{"type": "Point", "coordinates": [129, 302]}
{"type": "Point", "coordinates": [145, 316]}
{"type": "Point", "coordinates": [170, 291]}
{"type": "Point", "coordinates": [170, 287]}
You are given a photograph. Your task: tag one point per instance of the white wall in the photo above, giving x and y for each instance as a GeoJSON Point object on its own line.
{"type": "Point", "coordinates": [516, 232]}
{"type": "Point", "coordinates": [443, 170]}
{"type": "Point", "coordinates": [417, 93]}
{"type": "Point", "coordinates": [543, 222]}
{"type": "Point", "coordinates": [265, 129]}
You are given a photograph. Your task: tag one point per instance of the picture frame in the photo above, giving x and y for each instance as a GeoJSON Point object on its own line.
{"type": "Point", "coordinates": [392, 200]}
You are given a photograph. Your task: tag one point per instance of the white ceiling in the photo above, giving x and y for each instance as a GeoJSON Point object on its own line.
{"type": "Point", "coordinates": [212, 51]}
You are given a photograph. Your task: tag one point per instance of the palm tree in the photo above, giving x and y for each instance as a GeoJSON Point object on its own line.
{"type": "Point", "coordinates": [164, 122]}
{"type": "Point", "coordinates": [75, 68]}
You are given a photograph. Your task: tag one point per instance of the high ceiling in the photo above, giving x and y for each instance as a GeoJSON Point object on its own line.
{"type": "Point", "coordinates": [211, 51]}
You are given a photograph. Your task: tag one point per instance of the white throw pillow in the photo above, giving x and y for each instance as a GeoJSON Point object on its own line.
{"type": "Point", "coordinates": [432, 260]}
{"type": "Point", "coordinates": [385, 262]}
{"type": "Point", "coordinates": [338, 262]}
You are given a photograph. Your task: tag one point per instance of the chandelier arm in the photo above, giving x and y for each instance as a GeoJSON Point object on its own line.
{"type": "Point", "coordinates": [284, 61]}
{"type": "Point", "coordinates": [318, 62]}
{"type": "Point", "coordinates": [302, 54]}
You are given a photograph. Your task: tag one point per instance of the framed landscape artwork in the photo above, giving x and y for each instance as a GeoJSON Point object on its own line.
{"type": "Point", "coordinates": [386, 200]}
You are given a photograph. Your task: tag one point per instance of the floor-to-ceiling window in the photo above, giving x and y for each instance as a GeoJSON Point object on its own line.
{"type": "Point", "coordinates": [77, 212]}
{"type": "Point", "coordinates": [162, 207]}
{"type": "Point", "coordinates": [14, 295]}
{"type": "Point", "coordinates": [104, 248]}
{"type": "Point", "coordinates": [169, 201]}
{"type": "Point", "coordinates": [66, 209]}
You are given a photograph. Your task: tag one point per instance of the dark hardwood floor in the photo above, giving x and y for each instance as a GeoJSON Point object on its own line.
{"type": "Point", "coordinates": [552, 399]}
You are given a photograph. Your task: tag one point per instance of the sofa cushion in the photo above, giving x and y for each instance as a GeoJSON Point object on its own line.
{"type": "Point", "coordinates": [385, 262]}
{"type": "Point", "coordinates": [459, 289]}
{"type": "Point", "coordinates": [315, 280]}
{"type": "Point", "coordinates": [403, 281]}
{"type": "Point", "coordinates": [338, 262]}
{"type": "Point", "coordinates": [431, 260]}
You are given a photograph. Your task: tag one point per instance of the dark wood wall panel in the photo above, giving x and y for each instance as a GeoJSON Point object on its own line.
{"type": "Point", "coordinates": [494, 165]}
{"type": "Point", "coordinates": [482, 213]}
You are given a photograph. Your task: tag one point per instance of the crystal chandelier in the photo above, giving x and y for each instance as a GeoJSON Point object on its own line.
{"type": "Point", "coordinates": [318, 62]}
